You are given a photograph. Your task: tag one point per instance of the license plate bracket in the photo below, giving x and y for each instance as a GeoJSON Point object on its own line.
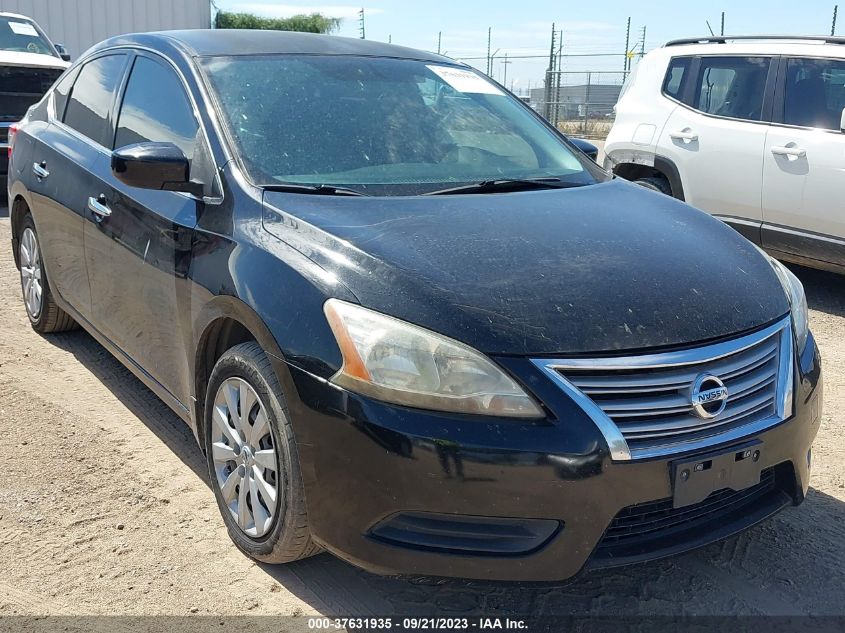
{"type": "Point", "coordinates": [694, 479]}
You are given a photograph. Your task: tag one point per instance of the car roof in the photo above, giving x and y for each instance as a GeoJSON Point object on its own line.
{"type": "Point", "coordinates": [17, 16]}
{"type": "Point", "coordinates": [226, 42]}
{"type": "Point", "coordinates": [765, 45]}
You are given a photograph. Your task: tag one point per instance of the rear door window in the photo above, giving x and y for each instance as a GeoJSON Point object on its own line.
{"type": "Point", "coordinates": [732, 86]}
{"type": "Point", "coordinates": [814, 94]}
{"type": "Point", "coordinates": [92, 97]}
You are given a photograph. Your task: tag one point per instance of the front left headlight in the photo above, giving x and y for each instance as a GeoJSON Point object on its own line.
{"type": "Point", "coordinates": [797, 302]}
{"type": "Point", "coordinates": [398, 362]}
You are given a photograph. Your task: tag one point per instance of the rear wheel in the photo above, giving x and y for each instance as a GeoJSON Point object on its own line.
{"type": "Point", "coordinates": [252, 458]}
{"type": "Point", "coordinates": [655, 183]}
{"type": "Point", "coordinates": [41, 308]}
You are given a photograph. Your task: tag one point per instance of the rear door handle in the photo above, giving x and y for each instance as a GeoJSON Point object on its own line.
{"type": "Point", "coordinates": [40, 170]}
{"type": "Point", "coordinates": [98, 207]}
{"type": "Point", "coordinates": [795, 152]}
{"type": "Point", "coordinates": [686, 135]}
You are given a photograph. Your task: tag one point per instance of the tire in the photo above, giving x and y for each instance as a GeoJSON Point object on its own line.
{"type": "Point", "coordinates": [234, 451]}
{"type": "Point", "coordinates": [656, 183]}
{"type": "Point", "coordinates": [44, 314]}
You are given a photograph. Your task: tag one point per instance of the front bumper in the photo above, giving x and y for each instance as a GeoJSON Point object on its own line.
{"type": "Point", "coordinates": [365, 462]}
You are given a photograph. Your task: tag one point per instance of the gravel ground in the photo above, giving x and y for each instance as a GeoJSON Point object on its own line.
{"type": "Point", "coordinates": [105, 509]}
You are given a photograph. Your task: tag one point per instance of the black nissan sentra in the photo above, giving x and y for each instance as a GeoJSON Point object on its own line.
{"type": "Point", "coordinates": [408, 322]}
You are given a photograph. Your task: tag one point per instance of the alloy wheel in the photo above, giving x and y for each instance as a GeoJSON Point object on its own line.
{"type": "Point", "coordinates": [246, 465]}
{"type": "Point", "coordinates": [31, 275]}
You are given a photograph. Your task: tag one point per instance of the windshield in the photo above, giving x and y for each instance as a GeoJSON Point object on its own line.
{"type": "Point", "coordinates": [382, 126]}
{"type": "Point", "coordinates": [17, 34]}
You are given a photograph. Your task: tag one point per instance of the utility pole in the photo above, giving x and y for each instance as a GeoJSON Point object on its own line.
{"type": "Point", "coordinates": [627, 45]}
{"type": "Point", "coordinates": [558, 76]}
{"type": "Point", "coordinates": [489, 44]}
{"type": "Point", "coordinates": [505, 64]}
{"type": "Point", "coordinates": [723, 24]}
{"type": "Point", "coordinates": [439, 40]}
{"type": "Point", "coordinates": [833, 26]}
{"type": "Point", "coordinates": [547, 105]}
{"type": "Point", "coordinates": [361, 24]}
{"type": "Point", "coordinates": [390, 39]}
{"type": "Point", "coordinates": [642, 45]}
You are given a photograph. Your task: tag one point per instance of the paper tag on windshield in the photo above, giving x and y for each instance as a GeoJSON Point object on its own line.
{"type": "Point", "coordinates": [23, 28]}
{"type": "Point", "coordinates": [465, 80]}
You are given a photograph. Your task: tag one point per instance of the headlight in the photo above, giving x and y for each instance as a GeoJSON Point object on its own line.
{"type": "Point", "coordinates": [797, 301]}
{"type": "Point", "coordinates": [394, 361]}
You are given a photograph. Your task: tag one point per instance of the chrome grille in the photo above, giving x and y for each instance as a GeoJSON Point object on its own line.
{"type": "Point", "coordinates": [644, 405]}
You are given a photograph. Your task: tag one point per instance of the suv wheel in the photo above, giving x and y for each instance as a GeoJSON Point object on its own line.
{"type": "Point", "coordinates": [41, 308]}
{"type": "Point", "coordinates": [655, 183]}
{"type": "Point", "coordinates": [252, 458]}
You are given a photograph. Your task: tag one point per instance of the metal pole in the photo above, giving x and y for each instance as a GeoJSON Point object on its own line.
{"type": "Point", "coordinates": [833, 26]}
{"type": "Point", "coordinates": [505, 64]}
{"type": "Point", "coordinates": [627, 44]}
{"type": "Point", "coordinates": [642, 47]}
{"type": "Point", "coordinates": [558, 75]}
{"type": "Point", "coordinates": [547, 106]}
{"type": "Point", "coordinates": [723, 23]}
{"type": "Point", "coordinates": [489, 45]}
{"type": "Point", "coordinates": [439, 40]}
{"type": "Point", "coordinates": [361, 24]}
{"type": "Point", "coordinates": [587, 101]}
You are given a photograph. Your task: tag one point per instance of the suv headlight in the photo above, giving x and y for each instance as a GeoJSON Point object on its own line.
{"type": "Point", "coordinates": [797, 302]}
{"type": "Point", "coordinates": [394, 361]}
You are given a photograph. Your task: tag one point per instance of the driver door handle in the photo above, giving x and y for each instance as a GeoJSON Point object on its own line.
{"type": "Point", "coordinates": [797, 152]}
{"type": "Point", "coordinates": [98, 207]}
{"type": "Point", "coordinates": [40, 169]}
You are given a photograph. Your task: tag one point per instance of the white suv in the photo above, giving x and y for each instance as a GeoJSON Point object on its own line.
{"type": "Point", "coordinates": [749, 129]}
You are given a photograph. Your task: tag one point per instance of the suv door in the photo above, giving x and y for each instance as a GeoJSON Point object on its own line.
{"type": "Point", "coordinates": [63, 161]}
{"type": "Point", "coordinates": [715, 137]}
{"type": "Point", "coordinates": [804, 163]}
{"type": "Point", "coordinates": [140, 253]}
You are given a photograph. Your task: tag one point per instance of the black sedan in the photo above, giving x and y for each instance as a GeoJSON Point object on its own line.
{"type": "Point", "coordinates": [407, 320]}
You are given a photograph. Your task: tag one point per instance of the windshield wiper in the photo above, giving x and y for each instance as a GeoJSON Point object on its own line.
{"type": "Point", "coordinates": [491, 186]}
{"type": "Point", "coordinates": [321, 190]}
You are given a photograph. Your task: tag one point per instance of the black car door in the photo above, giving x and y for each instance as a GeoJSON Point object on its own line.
{"type": "Point", "coordinates": [139, 251]}
{"type": "Point", "coordinates": [62, 164]}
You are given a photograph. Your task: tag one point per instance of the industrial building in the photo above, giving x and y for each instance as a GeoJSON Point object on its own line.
{"type": "Point", "coordinates": [79, 24]}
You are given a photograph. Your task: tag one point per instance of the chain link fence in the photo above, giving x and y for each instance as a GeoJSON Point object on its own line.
{"type": "Point", "coordinates": [579, 102]}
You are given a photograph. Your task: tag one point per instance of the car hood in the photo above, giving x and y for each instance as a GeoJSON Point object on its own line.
{"type": "Point", "coordinates": [31, 60]}
{"type": "Point", "coordinates": [592, 269]}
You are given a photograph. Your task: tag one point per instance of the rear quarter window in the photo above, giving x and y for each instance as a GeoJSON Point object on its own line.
{"type": "Point", "coordinates": [676, 76]}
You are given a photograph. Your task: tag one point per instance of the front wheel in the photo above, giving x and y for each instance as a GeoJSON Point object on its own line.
{"type": "Point", "coordinates": [252, 458]}
{"type": "Point", "coordinates": [44, 313]}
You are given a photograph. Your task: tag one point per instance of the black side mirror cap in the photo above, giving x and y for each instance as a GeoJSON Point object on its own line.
{"type": "Point", "coordinates": [159, 166]}
{"type": "Point", "coordinates": [62, 51]}
{"type": "Point", "coordinates": [585, 146]}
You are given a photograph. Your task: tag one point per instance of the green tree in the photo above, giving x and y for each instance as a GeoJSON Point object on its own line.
{"type": "Point", "coordinates": [314, 23]}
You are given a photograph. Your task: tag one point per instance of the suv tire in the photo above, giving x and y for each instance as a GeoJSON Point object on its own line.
{"type": "Point", "coordinates": [656, 183]}
{"type": "Point", "coordinates": [252, 458]}
{"type": "Point", "coordinates": [44, 314]}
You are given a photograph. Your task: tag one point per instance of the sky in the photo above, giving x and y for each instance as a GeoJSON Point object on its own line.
{"type": "Point", "coordinates": [523, 28]}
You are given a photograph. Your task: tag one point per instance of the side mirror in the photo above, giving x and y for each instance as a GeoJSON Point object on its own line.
{"type": "Point", "coordinates": [160, 166]}
{"type": "Point", "coordinates": [842, 121]}
{"type": "Point", "coordinates": [62, 51]}
{"type": "Point", "coordinates": [585, 146]}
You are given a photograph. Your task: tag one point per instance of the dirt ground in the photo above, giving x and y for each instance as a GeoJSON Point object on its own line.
{"type": "Point", "coordinates": [104, 508]}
